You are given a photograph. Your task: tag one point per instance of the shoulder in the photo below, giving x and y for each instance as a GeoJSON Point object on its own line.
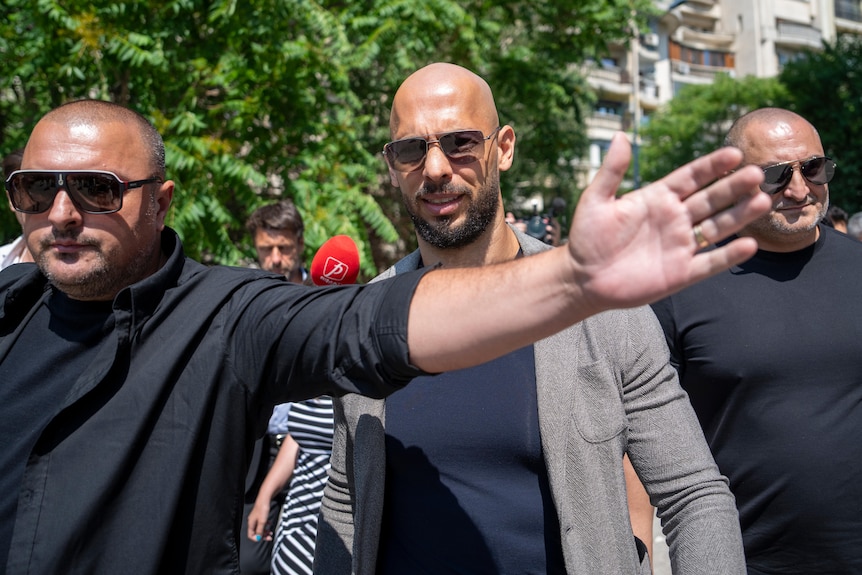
{"type": "Point", "coordinates": [409, 263]}
{"type": "Point", "coordinates": [618, 323]}
{"type": "Point", "coordinates": [611, 331]}
{"type": "Point", "coordinates": [224, 276]}
{"type": "Point", "coordinates": [6, 249]}
{"type": "Point", "coordinates": [836, 240]}
{"type": "Point", "coordinates": [529, 244]}
{"type": "Point", "coordinates": [11, 275]}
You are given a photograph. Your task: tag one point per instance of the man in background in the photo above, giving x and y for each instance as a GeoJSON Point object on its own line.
{"type": "Point", "coordinates": [516, 465]}
{"type": "Point", "coordinates": [277, 231]}
{"type": "Point", "coordinates": [768, 352]}
{"type": "Point", "coordinates": [837, 218]}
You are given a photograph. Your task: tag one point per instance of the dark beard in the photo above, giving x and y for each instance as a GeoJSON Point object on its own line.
{"type": "Point", "coordinates": [480, 214]}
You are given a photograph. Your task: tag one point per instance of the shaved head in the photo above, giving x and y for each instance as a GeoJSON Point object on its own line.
{"type": "Point", "coordinates": [444, 82]}
{"type": "Point", "coordinates": [456, 206]}
{"type": "Point", "coordinates": [80, 113]}
{"type": "Point", "coordinates": [774, 137]}
{"type": "Point", "coordinates": [741, 136]}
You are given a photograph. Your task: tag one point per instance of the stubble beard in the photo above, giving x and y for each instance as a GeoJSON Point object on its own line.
{"type": "Point", "coordinates": [771, 226]}
{"type": "Point", "coordinates": [481, 213]}
{"type": "Point", "coordinates": [107, 274]}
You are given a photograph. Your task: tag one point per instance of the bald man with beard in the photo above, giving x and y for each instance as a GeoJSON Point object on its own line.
{"type": "Point", "coordinates": [515, 465]}
{"type": "Point", "coordinates": [768, 352]}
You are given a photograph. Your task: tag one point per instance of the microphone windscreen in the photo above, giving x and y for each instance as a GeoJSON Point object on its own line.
{"type": "Point", "coordinates": [336, 262]}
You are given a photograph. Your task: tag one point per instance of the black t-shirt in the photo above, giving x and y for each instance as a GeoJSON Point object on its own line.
{"type": "Point", "coordinates": [771, 356]}
{"type": "Point", "coordinates": [466, 484]}
{"type": "Point", "coordinates": [66, 336]}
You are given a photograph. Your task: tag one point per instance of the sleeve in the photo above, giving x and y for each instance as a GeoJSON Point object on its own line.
{"type": "Point", "coordinates": [668, 451]}
{"type": "Point", "coordinates": [294, 342]}
{"type": "Point", "coordinates": [333, 552]}
{"type": "Point", "coordinates": [663, 310]}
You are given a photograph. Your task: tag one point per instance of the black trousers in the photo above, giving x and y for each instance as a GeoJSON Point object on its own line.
{"type": "Point", "coordinates": [255, 557]}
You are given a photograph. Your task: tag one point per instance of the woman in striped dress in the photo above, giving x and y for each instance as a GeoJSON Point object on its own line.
{"type": "Point", "coordinates": [307, 460]}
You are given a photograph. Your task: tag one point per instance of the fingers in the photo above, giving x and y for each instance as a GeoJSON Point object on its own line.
{"type": "Point", "coordinates": [258, 530]}
{"type": "Point", "coordinates": [727, 221]}
{"type": "Point", "coordinates": [708, 263]}
{"type": "Point", "coordinates": [701, 172]}
{"type": "Point", "coordinates": [612, 171]}
{"type": "Point", "coordinates": [724, 192]}
{"type": "Point", "coordinates": [252, 532]}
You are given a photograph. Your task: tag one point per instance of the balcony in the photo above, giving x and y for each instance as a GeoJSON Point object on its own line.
{"type": "Point", "coordinates": [612, 81]}
{"type": "Point", "coordinates": [717, 40]}
{"type": "Point", "coordinates": [609, 122]}
{"type": "Point", "coordinates": [697, 73]}
{"type": "Point", "coordinates": [797, 35]}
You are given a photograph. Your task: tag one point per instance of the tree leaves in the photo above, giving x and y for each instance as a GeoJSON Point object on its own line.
{"type": "Point", "coordinates": [263, 99]}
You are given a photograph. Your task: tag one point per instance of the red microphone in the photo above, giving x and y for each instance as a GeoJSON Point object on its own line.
{"type": "Point", "coordinates": [336, 262]}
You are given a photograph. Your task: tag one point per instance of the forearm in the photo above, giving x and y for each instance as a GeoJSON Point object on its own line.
{"type": "Point", "coordinates": [280, 473]}
{"type": "Point", "coordinates": [622, 252]}
{"type": "Point", "coordinates": [640, 510]}
{"type": "Point", "coordinates": [466, 316]}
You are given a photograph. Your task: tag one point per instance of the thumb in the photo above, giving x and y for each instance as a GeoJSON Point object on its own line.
{"type": "Point", "coordinates": [612, 171]}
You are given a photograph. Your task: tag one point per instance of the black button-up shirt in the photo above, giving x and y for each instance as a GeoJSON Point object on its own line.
{"type": "Point", "coordinates": [141, 470]}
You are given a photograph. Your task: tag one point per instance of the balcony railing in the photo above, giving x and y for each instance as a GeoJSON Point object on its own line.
{"type": "Point", "coordinates": [791, 31]}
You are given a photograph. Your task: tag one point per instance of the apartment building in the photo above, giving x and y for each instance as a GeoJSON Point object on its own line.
{"type": "Point", "coordinates": [693, 40]}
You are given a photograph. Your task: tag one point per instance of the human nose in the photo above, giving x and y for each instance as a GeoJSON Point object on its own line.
{"type": "Point", "coordinates": [276, 255]}
{"type": "Point", "coordinates": [437, 165]}
{"type": "Point", "coordinates": [798, 188]}
{"type": "Point", "coordinates": [64, 213]}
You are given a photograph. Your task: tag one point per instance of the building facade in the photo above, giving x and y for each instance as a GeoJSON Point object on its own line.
{"type": "Point", "coordinates": [692, 41]}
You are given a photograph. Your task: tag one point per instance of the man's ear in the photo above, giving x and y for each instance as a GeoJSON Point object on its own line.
{"type": "Point", "coordinates": [505, 148]}
{"type": "Point", "coordinates": [164, 197]}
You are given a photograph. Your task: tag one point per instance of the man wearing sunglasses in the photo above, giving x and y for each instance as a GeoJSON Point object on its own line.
{"type": "Point", "coordinates": [515, 465]}
{"type": "Point", "coordinates": [133, 380]}
{"type": "Point", "coordinates": [769, 355]}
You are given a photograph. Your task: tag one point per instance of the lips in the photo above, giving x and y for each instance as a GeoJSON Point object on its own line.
{"type": "Point", "coordinates": [441, 205]}
{"type": "Point", "coordinates": [792, 208]}
{"type": "Point", "coordinates": [68, 246]}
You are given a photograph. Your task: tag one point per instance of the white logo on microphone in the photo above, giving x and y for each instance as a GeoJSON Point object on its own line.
{"type": "Point", "coordinates": [334, 270]}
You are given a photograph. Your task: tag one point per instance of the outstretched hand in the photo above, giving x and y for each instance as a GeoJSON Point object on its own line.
{"type": "Point", "coordinates": [641, 247]}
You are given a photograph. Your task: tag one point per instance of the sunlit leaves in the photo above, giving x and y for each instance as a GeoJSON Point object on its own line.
{"type": "Point", "coordinates": [263, 99]}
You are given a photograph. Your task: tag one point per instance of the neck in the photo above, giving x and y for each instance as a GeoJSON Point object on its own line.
{"type": "Point", "coordinates": [295, 276]}
{"type": "Point", "coordinates": [497, 244]}
{"type": "Point", "coordinates": [785, 244]}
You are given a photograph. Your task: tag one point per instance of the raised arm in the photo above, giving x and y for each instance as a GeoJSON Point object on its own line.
{"type": "Point", "coordinates": [621, 252]}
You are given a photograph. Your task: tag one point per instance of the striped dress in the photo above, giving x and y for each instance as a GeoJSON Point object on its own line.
{"type": "Point", "coordinates": [310, 425]}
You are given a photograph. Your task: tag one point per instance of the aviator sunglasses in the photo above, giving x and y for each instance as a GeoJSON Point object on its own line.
{"type": "Point", "coordinates": [92, 191]}
{"type": "Point", "coordinates": [818, 170]}
{"type": "Point", "coordinates": [461, 147]}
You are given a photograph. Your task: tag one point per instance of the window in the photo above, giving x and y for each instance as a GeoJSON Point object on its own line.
{"type": "Point", "coordinates": [609, 108]}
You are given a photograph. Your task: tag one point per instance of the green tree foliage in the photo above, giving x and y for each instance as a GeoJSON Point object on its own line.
{"type": "Point", "coordinates": [262, 99]}
{"type": "Point", "coordinates": [826, 88]}
{"type": "Point", "coordinates": [696, 120]}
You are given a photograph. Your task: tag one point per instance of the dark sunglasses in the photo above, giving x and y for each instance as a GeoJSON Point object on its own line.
{"type": "Point", "coordinates": [461, 147]}
{"type": "Point", "coordinates": [92, 191]}
{"type": "Point", "coordinates": [818, 170]}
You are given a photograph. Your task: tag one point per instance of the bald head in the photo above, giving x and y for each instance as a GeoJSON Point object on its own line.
{"type": "Point", "coordinates": [751, 126]}
{"type": "Point", "coordinates": [444, 89]}
{"type": "Point", "coordinates": [98, 112]}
